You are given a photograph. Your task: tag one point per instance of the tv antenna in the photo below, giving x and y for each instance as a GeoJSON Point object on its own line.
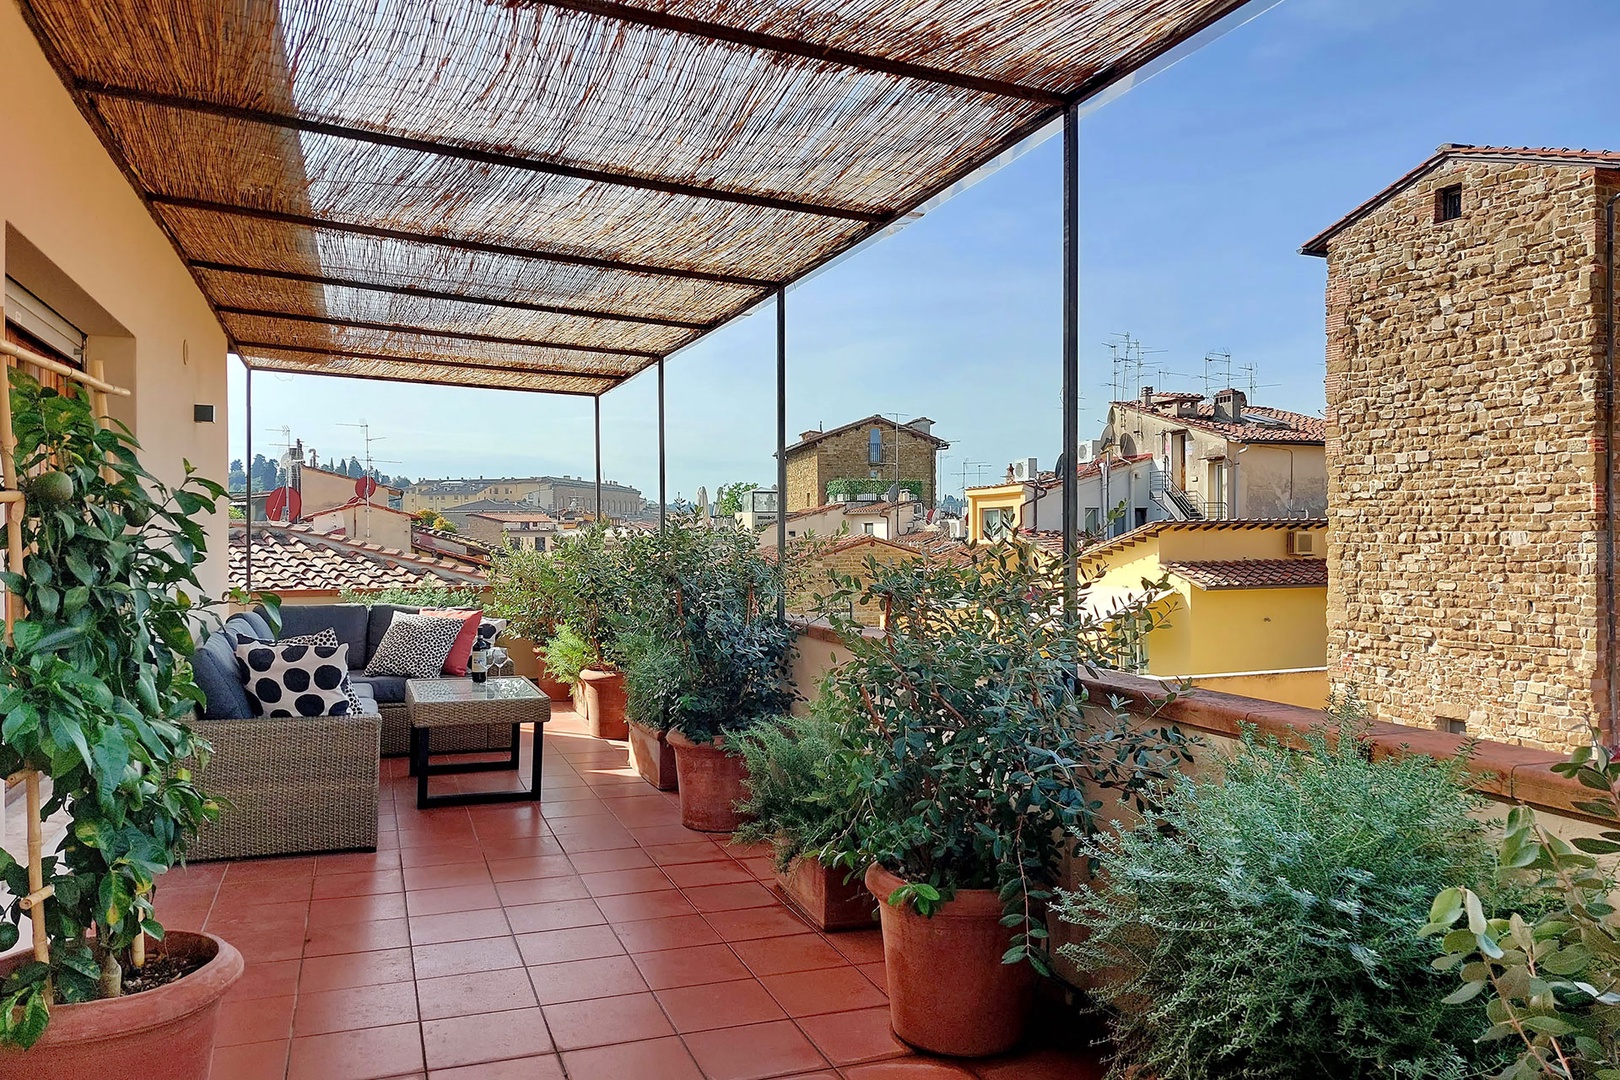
{"type": "Point", "coordinates": [368, 471]}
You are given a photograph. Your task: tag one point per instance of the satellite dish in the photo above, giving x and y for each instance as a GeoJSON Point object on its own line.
{"type": "Point", "coordinates": [892, 494]}
{"type": "Point", "coordinates": [1062, 466]}
{"type": "Point", "coordinates": [365, 487]}
{"type": "Point", "coordinates": [284, 504]}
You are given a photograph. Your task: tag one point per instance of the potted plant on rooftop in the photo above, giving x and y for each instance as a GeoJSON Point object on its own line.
{"type": "Point", "coordinates": [522, 591]}
{"type": "Point", "coordinates": [975, 760]}
{"type": "Point", "coordinates": [96, 695]}
{"type": "Point", "coordinates": [584, 589]}
{"type": "Point", "coordinates": [711, 657]}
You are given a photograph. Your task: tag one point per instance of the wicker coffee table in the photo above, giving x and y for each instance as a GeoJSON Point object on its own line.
{"type": "Point", "coordinates": [433, 703]}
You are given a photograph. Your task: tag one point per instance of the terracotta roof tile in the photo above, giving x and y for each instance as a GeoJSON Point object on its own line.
{"type": "Point", "coordinates": [1301, 428]}
{"type": "Point", "coordinates": [1253, 573]}
{"type": "Point", "coordinates": [887, 423]}
{"type": "Point", "coordinates": [293, 559]}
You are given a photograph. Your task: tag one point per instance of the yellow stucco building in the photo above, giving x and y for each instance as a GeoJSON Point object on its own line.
{"type": "Point", "coordinates": [1243, 603]}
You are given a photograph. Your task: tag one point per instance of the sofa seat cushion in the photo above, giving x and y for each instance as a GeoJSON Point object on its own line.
{"type": "Point", "coordinates": [293, 680]}
{"type": "Point", "coordinates": [386, 689]}
{"type": "Point", "coordinates": [347, 621]}
{"type": "Point", "coordinates": [213, 666]}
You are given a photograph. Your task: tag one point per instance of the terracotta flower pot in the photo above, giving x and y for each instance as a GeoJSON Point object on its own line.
{"type": "Point", "coordinates": [711, 781]}
{"type": "Point", "coordinates": [576, 694]}
{"type": "Point", "coordinates": [823, 896]}
{"type": "Point", "coordinates": [550, 685]}
{"type": "Point", "coordinates": [167, 1031]}
{"type": "Point", "coordinates": [652, 756]}
{"type": "Point", "coordinates": [949, 992]}
{"type": "Point", "coordinates": [604, 703]}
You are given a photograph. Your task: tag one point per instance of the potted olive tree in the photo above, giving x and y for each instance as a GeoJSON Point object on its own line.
{"type": "Point", "coordinates": [521, 591]}
{"type": "Point", "coordinates": [977, 761]}
{"type": "Point", "coordinates": [803, 776]}
{"type": "Point", "coordinates": [710, 657]}
{"type": "Point", "coordinates": [583, 590]}
{"type": "Point", "coordinates": [96, 694]}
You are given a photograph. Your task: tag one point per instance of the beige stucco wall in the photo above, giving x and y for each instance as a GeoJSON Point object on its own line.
{"type": "Point", "coordinates": [79, 238]}
{"type": "Point", "coordinates": [1463, 362]}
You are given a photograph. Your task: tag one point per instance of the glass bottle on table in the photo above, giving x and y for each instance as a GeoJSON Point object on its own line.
{"type": "Point", "coordinates": [478, 664]}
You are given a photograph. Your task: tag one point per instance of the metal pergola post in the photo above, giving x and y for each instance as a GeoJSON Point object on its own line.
{"type": "Point", "coordinates": [663, 457]}
{"type": "Point", "coordinates": [596, 403]}
{"type": "Point", "coordinates": [1071, 353]}
{"type": "Point", "coordinates": [247, 467]}
{"type": "Point", "coordinates": [781, 449]}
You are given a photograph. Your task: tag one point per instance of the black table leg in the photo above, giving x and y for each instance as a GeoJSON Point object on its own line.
{"type": "Point", "coordinates": [534, 758]}
{"type": "Point", "coordinates": [419, 764]}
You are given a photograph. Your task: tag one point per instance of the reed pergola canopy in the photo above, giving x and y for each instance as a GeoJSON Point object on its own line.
{"type": "Point", "coordinates": [550, 195]}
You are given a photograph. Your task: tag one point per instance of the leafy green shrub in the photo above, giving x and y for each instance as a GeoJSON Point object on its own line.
{"type": "Point", "coordinates": [1551, 981]}
{"type": "Point", "coordinates": [566, 656]}
{"type": "Point", "coordinates": [585, 588]}
{"type": "Point", "coordinates": [975, 755]}
{"type": "Point", "coordinates": [802, 781]}
{"type": "Point", "coordinates": [96, 693]}
{"type": "Point", "coordinates": [1264, 924]}
{"type": "Point", "coordinates": [427, 596]}
{"type": "Point", "coordinates": [652, 677]}
{"type": "Point", "coordinates": [849, 487]}
{"type": "Point", "coordinates": [523, 591]}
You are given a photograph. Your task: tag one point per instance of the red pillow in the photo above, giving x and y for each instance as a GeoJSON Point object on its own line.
{"type": "Point", "coordinates": [461, 651]}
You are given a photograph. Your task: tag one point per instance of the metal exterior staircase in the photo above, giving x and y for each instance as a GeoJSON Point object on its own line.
{"type": "Point", "coordinates": [1177, 503]}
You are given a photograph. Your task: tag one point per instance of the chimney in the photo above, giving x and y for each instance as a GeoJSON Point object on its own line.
{"type": "Point", "coordinates": [922, 424]}
{"type": "Point", "coordinates": [1229, 405]}
{"type": "Point", "coordinates": [809, 434]}
{"type": "Point", "coordinates": [1147, 397]}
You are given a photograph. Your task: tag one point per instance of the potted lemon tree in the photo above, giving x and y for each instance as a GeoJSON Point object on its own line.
{"type": "Point", "coordinates": [96, 694]}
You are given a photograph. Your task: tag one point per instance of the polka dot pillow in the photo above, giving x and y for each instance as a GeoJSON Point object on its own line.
{"type": "Point", "coordinates": [284, 678]}
{"type": "Point", "coordinates": [327, 636]}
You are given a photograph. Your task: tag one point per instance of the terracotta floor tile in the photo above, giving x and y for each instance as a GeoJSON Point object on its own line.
{"type": "Point", "coordinates": [267, 891]}
{"type": "Point", "coordinates": [629, 1018]}
{"type": "Point", "coordinates": [458, 926]}
{"type": "Point", "coordinates": [717, 872]}
{"type": "Point", "coordinates": [272, 978]}
{"type": "Point", "coordinates": [235, 920]}
{"type": "Point", "coordinates": [693, 966]}
{"type": "Point", "coordinates": [683, 853]}
{"type": "Point", "coordinates": [364, 883]}
{"type": "Point", "coordinates": [1042, 1065]}
{"type": "Point", "coordinates": [620, 882]}
{"type": "Point", "coordinates": [468, 1040]}
{"type": "Point", "coordinates": [763, 869]}
{"type": "Point", "coordinates": [914, 1067]}
{"type": "Point", "coordinates": [479, 992]}
{"type": "Point", "coordinates": [795, 952]}
{"type": "Point", "coordinates": [353, 909]}
{"type": "Point", "coordinates": [353, 862]}
{"type": "Point", "coordinates": [575, 943]}
{"type": "Point", "coordinates": [750, 1053]}
{"type": "Point", "coordinates": [354, 1007]}
{"type": "Point", "coordinates": [254, 1020]}
{"type": "Point", "coordinates": [600, 840]}
{"type": "Point", "coordinates": [751, 923]}
{"type": "Point", "coordinates": [730, 897]}
{"type": "Point", "coordinates": [633, 907]}
{"type": "Point", "coordinates": [278, 869]}
{"type": "Point", "coordinates": [355, 969]}
{"type": "Point", "coordinates": [540, 890]}
{"type": "Point", "coordinates": [651, 935]}
{"type": "Point", "coordinates": [357, 1055]}
{"type": "Point", "coordinates": [544, 1067]}
{"type": "Point", "coordinates": [861, 946]}
{"type": "Point", "coordinates": [719, 1005]}
{"type": "Point", "coordinates": [655, 1059]}
{"type": "Point", "coordinates": [597, 862]}
{"type": "Point", "coordinates": [522, 847]}
{"type": "Point", "coordinates": [563, 809]}
{"type": "Point", "coordinates": [455, 898]}
{"type": "Point", "coordinates": [847, 1038]}
{"type": "Point", "coordinates": [435, 855]}
{"type": "Point", "coordinates": [660, 835]}
{"type": "Point", "coordinates": [739, 850]}
{"type": "Point", "coordinates": [356, 937]}
{"type": "Point", "coordinates": [556, 915]}
{"type": "Point", "coordinates": [532, 866]}
{"type": "Point", "coordinates": [465, 957]}
{"type": "Point", "coordinates": [503, 822]}
{"type": "Point", "coordinates": [826, 990]}
{"type": "Point", "coordinates": [251, 1061]}
{"type": "Point", "coordinates": [580, 980]}
{"type": "Point", "coordinates": [875, 974]}
{"type": "Point", "coordinates": [445, 875]}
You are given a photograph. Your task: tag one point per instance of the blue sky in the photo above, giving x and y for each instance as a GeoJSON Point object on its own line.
{"type": "Point", "coordinates": [1197, 189]}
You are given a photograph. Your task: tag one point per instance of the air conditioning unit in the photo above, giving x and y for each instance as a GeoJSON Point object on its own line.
{"type": "Point", "coordinates": [1303, 542]}
{"type": "Point", "coordinates": [1025, 469]}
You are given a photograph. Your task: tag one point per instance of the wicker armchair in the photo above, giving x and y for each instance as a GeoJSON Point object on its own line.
{"type": "Point", "coordinates": [290, 786]}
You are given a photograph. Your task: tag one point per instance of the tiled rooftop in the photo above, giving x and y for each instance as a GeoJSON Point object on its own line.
{"type": "Point", "coordinates": [1298, 427]}
{"type": "Point", "coordinates": [295, 559]}
{"type": "Point", "coordinates": [589, 936]}
{"type": "Point", "coordinates": [1253, 573]}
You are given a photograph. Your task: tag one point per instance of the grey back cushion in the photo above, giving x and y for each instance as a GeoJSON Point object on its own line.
{"type": "Point", "coordinates": [261, 627]}
{"type": "Point", "coordinates": [213, 665]}
{"type": "Point", "coordinates": [347, 621]}
{"type": "Point", "coordinates": [381, 616]}
{"type": "Point", "coordinates": [244, 627]}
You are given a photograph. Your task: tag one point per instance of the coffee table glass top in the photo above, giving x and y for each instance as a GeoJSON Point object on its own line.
{"type": "Point", "coordinates": [497, 688]}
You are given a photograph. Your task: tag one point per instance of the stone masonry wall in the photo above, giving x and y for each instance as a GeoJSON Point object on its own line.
{"type": "Point", "coordinates": [1462, 368]}
{"type": "Point", "coordinates": [845, 456]}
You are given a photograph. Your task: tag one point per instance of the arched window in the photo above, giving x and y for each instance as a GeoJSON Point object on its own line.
{"type": "Point", "coordinates": [874, 446]}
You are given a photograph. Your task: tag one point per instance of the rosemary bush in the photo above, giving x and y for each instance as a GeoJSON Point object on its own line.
{"type": "Point", "coordinates": [1265, 923]}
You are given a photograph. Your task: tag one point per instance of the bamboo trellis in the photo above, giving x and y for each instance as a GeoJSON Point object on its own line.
{"type": "Point", "coordinates": [12, 498]}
